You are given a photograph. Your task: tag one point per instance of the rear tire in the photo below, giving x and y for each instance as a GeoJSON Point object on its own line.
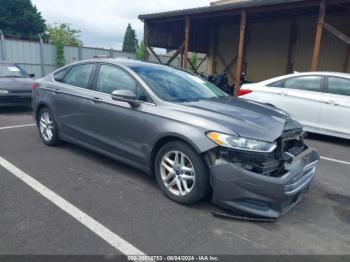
{"type": "Point", "coordinates": [47, 127]}
{"type": "Point", "coordinates": [181, 173]}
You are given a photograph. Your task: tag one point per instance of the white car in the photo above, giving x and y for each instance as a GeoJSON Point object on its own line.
{"type": "Point", "coordinates": [319, 100]}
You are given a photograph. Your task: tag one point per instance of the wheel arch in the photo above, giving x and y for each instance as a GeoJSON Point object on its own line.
{"type": "Point", "coordinates": [169, 138]}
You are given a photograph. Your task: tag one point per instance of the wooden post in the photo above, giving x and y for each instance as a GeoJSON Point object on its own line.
{"type": "Point", "coordinates": [347, 58]}
{"type": "Point", "coordinates": [212, 48]}
{"type": "Point", "coordinates": [319, 31]}
{"type": "Point", "coordinates": [292, 41]}
{"type": "Point", "coordinates": [187, 39]}
{"type": "Point", "coordinates": [146, 40]}
{"type": "Point", "coordinates": [240, 51]}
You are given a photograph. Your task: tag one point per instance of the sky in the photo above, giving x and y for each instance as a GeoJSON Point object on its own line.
{"type": "Point", "coordinates": [103, 22]}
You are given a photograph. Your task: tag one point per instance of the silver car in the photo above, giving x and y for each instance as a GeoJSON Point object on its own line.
{"type": "Point", "coordinates": [319, 100]}
{"type": "Point", "coordinates": [194, 138]}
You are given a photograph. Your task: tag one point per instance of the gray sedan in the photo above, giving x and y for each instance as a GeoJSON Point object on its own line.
{"type": "Point", "coordinates": [194, 138]}
{"type": "Point", "coordinates": [15, 85]}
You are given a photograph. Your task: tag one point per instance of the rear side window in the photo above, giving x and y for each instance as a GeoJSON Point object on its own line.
{"type": "Point", "coordinates": [339, 86]}
{"type": "Point", "coordinates": [79, 75]}
{"type": "Point", "coordinates": [307, 83]}
{"type": "Point", "coordinates": [60, 75]}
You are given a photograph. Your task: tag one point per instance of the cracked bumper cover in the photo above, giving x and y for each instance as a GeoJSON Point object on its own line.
{"type": "Point", "coordinates": [236, 189]}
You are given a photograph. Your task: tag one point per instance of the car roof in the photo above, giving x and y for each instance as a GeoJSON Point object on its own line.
{"type": "Point", "coordinates": [122, 61]}
{"type": "Point", "coordinates": [317, 73]}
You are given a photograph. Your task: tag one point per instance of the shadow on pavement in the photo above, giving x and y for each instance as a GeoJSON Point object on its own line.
{"type": "Point", "coordinates": [328, 139]}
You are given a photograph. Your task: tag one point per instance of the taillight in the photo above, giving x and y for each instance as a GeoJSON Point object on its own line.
{"type": "Point", "coordinates": [35, 86]}
{"type": "Point", "coordinates": [243, 92]}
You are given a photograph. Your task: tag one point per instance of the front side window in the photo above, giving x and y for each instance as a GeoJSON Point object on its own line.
{"type": "Point", "coordinates": [111, 78]}
{"type": "Point", "coordinates": [175, 85]}
{"type": "Point", "coordinates": [339, 86]}
{"type": "Point", "coordinates": [79, 75]}
{"type": "Point", "coordinates": [307, 83]}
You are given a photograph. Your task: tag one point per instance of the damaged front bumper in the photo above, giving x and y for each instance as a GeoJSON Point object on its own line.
{"type": "Point", "coordinates": [239, 190]}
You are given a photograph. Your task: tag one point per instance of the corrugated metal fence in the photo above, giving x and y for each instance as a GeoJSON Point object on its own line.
{"type": "Point", "coordinates": [40, 58]}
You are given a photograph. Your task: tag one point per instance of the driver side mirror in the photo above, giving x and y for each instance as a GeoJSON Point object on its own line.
{"type": "Point", "coordinates": [31, 75]}
{"type": "Point", "coordinates": [125, 95]}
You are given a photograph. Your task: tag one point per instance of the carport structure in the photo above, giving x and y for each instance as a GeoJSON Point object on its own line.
{"type": "Point", "coordinates": [262, 38]}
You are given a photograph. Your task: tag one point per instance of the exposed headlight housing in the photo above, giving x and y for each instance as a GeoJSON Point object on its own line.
{"type": "Point", "coordinates": [2, 91]}
{"type": "Point", "coordinates": [241, 143]}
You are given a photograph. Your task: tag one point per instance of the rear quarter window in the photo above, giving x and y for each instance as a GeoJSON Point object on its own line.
{"type": "Point", "coordinates": [339, 86]}
{"type": "Point", "coordinates": [59, 76]}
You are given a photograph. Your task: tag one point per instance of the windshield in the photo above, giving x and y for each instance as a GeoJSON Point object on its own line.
{"type": "Point", "coordinates": [8, 70]}
{"type": "Point", "coordinates": [175, 85]}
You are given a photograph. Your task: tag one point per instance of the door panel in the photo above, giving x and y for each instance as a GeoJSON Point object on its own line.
{"type": "Point", "coordinates": [117, 127]}
{"type": "Point", "coordinates": [73, 100]}
{"type": "Point", "coordinates": [336, 106]}
{"type": "Point", "coordinates": [302, 97]}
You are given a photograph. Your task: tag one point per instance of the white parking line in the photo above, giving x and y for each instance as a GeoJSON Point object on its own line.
{"type": "Point", "coordinates": [19, 126]}
{"type": "Point", "coordinates": [96, 227]}
{"type": "Point", "coordinates": [335, 160]}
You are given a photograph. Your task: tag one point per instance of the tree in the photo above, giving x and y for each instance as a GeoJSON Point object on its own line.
{"type": "Point", "coordinates": [141, 52]}
{"type": "Point", "coordinates": [65, 34]}
{"type": "Point", "coordinates": [21, 19]}
{"type": "Point", "coordinates": [130, 43]}
{"type": "Point", "coordinates": [61, 35]}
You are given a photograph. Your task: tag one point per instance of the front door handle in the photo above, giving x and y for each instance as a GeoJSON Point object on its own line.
{"type": "Point", "coordinates": [96, 100]}
{"type": "Point", "coordinates": [282, 93]}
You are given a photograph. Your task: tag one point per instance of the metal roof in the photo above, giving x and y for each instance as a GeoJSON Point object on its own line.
{"type": "Point", "coordinates": [216, 8]}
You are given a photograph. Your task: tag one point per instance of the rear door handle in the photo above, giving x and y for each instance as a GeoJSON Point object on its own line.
{"type": "Point", "coordinates": [331, 102]}
{"type": "Point", "coordinates": [55, 91]}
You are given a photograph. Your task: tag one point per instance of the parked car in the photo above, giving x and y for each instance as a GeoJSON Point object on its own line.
{"type": "Point", "coordinates": [318, 100]}
{"type": "Point", "coordinates": [15, 85]}
{"type": "Point", "coordinates": [192, 136]}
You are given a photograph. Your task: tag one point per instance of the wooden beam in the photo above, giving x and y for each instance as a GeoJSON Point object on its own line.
{"type": "Point", "coordinates": [199, 65]}
{"type": "Point", "coordinates": [178, 51]}
{"type": "Point", "coordinates": [187, 40]}
{"type": "Point", "coordinates": [192, 66]}
{"type": "Point", "coordinates": [337, 33]}
{"type": "Point", "coordinates": [318, 38]}
{"type": "Point", "coordinates": [227, 67]}
{"type": "Point", "coordinates": [240, 51]}
{"type": "Point", "coordinates": [149, 49]}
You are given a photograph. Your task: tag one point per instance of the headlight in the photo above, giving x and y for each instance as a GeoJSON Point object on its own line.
{"type": "Point", "coordinates": [241, 143]}
{"type": "Point", "coordinates": [2, 91]}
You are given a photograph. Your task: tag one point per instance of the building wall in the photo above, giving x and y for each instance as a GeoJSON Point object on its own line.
{"type": "Point", "coordinates": [267, 47]}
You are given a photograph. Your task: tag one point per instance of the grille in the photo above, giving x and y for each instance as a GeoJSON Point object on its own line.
{"type": "Point", "coordinates": [300, 180]}
{"type": "Point", "coordinates": [262, 163]}
{"type": "Point", "coordinates": [15, 100]}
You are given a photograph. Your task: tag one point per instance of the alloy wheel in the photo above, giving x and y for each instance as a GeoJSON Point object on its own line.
{"type": "Point", "coordinates": [177, 173]}
{"type": "Point", "coordinates": [46, 126]}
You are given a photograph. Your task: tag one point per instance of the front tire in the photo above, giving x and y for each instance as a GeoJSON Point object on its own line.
{"type": "Point", "coordinates": [47, 127]}
{"type": "Point", "coordinates": [182, 173]}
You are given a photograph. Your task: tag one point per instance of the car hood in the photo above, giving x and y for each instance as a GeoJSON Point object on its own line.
{"type": "Point", "coordinates": [16, 84]}
{"type": "Point", "coordinates": [245, 118]}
